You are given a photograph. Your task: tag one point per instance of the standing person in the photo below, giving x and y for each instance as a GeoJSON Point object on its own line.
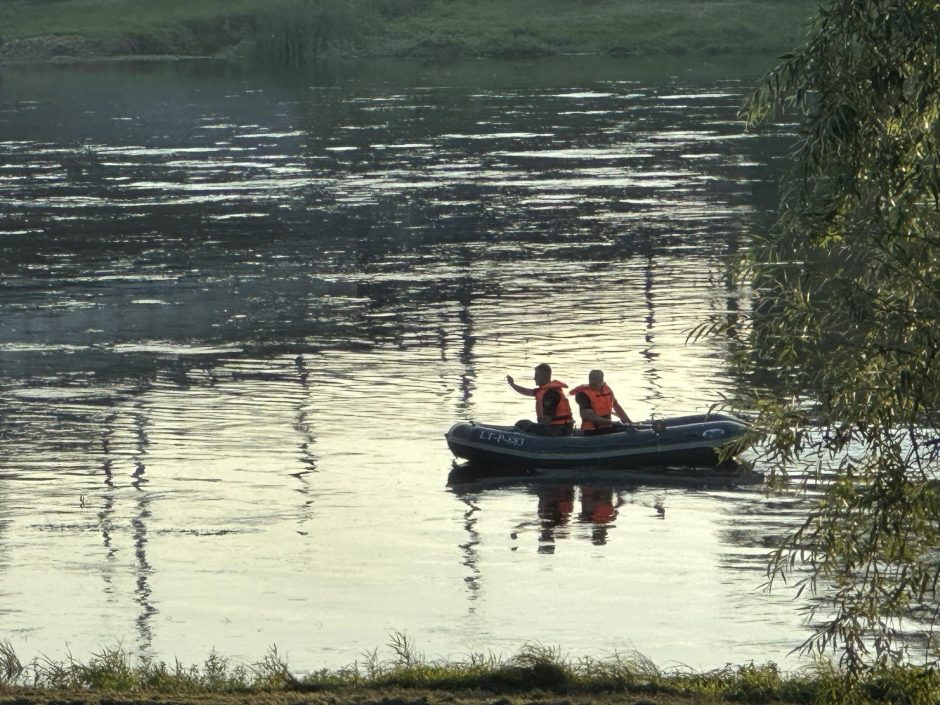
{"type": "Point", "coordinates": [596, 401]}
{"type": "Point", "coordinates": [552, 411]}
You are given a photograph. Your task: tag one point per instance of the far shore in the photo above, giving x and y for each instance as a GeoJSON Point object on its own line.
{"type": "Point", "coordinates": [298, 31]}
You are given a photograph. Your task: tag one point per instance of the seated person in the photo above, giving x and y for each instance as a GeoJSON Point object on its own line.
{"type": "Point", "coordinates": [552, 411]}
{"type": "Point", "coordinates": [596, 401]}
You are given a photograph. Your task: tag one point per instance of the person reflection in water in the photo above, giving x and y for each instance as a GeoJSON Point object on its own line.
{"type": "Point", "coordinates": [596, 401]}
{"type": "Point", "coordinates": [554, 510]}
{"type": "Point", "coordinates": [553, 413]}
{"type": "Point", "coordinates": [599, 507]}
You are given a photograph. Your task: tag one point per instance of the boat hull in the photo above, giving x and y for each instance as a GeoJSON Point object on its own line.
{"type": "Point", "coordinates": [685, 441]}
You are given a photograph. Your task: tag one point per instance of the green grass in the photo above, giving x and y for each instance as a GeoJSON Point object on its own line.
{"type": "Point", "coordinates": [298, 30]}
{"type": "Point", "coordinates": [535, 668]}
{"type": "Point", "coordinates": [21, 19]}
{"type": "Point", "coordinates": [488, 27]}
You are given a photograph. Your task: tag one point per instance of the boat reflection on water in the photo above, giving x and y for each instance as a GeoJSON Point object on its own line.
{"type": "Point", "coordinates": [472, 476]}
{"type": "Point", "coordinates": [571, 500]}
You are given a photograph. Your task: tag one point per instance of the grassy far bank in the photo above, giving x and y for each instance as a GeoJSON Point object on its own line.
{"type": "Point", "coordinates": [536, 675]}
{"type": "Point", "coordinates": [296, 30]}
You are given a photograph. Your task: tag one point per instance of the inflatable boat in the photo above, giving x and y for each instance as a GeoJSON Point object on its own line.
{"type": "Point", "coordinates": [684, 440]}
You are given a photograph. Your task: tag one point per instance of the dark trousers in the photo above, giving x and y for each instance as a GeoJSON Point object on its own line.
{"type": "Point", "coordinates": [543, 429]}
{"type": "Point", "coordinates": [615, 427]}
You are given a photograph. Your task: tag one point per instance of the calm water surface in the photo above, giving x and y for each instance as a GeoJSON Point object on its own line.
{"type": "Point", "coordinates": [238, 311]}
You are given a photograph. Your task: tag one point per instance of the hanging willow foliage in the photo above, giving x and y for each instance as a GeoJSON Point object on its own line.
{"type": "Point", "coordinates": [848, 319]}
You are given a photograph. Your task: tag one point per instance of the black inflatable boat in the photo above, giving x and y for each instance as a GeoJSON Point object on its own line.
{"type": "Point", "coordinates": [683, 440]}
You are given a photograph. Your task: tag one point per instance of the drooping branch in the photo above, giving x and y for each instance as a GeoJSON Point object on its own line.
{"type": "Point", "coordinates": [848, 316]}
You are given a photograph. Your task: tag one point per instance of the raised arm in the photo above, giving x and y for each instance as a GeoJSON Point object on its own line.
{"type": "Point", "coordinates": [522, 390]}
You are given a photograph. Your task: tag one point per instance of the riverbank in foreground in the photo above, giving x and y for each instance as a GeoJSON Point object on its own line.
{"type": "Point", "coordinates": [297, 31]}
{"type": "Point", "coordinates": [904, 691]}
{"type": "Point", "coordinates": [389, 696]}
{"type": "Point", "coordinates": [535, 676]}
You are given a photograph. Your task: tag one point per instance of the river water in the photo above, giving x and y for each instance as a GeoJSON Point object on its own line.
{"type": "Point", "coordinates": [238, 311]}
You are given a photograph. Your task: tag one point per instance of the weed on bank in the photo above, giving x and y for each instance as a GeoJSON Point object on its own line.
{"type": "Point", "coordinates": [535, 668]}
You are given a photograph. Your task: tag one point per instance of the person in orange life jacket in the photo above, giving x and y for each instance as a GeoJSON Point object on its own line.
{"type": "Point", "coordinates": [596, 402]}
{"type": "Point", "coordinates": [552, 411]}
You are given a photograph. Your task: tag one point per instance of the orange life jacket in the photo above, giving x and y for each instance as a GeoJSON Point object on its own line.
{"type": "Point", "coordinates": [601, 401]}
{"type": "Point", "coordinates": [597, 504]}
{"type": "Point", "coordinates": [562, 415]}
